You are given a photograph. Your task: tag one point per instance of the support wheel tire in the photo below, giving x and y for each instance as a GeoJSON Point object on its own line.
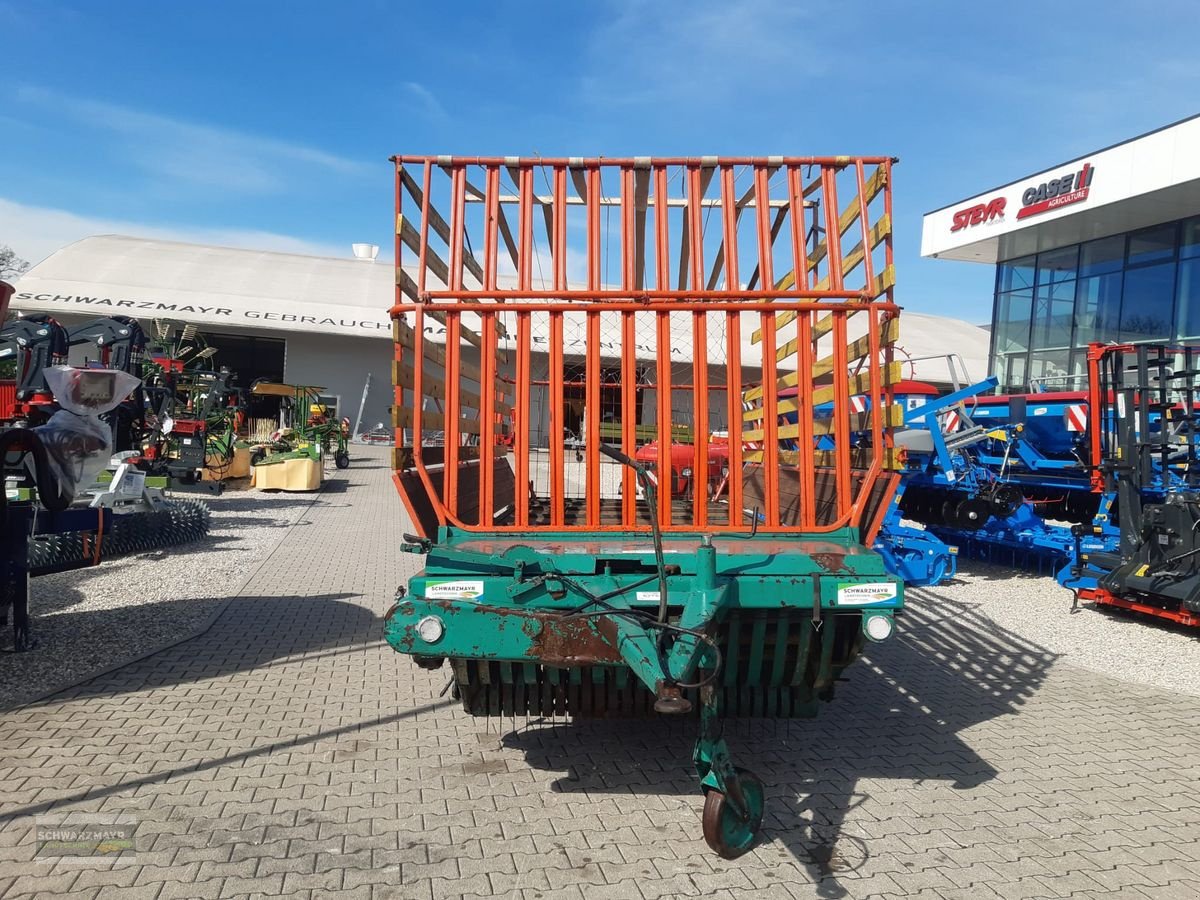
{"type": "Point", "coordinates": [724, 830]}
{"type": "Point", "coordinates": [342, 460]}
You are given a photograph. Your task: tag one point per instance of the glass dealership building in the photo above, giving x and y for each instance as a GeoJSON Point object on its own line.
{"type": "Point", "coordinates": [1103, 248]}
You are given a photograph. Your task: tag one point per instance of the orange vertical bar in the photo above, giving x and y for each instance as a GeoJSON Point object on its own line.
{"type": "Point", "coordinates": [418, 377]}
{"type": "Point", "coordinates": [699, 352]}
{"type": "Point", "coordinates": [591, 447]}
{"type": "Point", "coordinates": [521, 429]}
{"type": "Point", "coordinates": [628, 351]}
{"type": "Point", "coordinates": [398, 245]}
{"type": "Point", "coordinates": [876, 395]}
{"type": "Point", "coordinates": [733, 333]}
{"type": "Point", "coordinates": [700, 415]}
{"type": "Point", "coordinates": [1097, 414]}
{"type": "Point", "coordinates": [398, 349]}
{"type": "Point", "coordinates": [805, 471]}
{"type": "Point", "coordinates": [491, 225]}
{"type": "Point", "coordinates": [733, 397]}
{"type": "Point", "coordinates": [841, 413]}
{"type": "Point", "coordinates": [557, 423]}
{"type": "Point", "coordinates": [770, 467]}
{"type": "Point", "coordinates": [423, 256]}
{"type": "Point", "coordinates": [525, 223]}
{"type": "Point", "coordinates": [805, 356]}
{"type": "Point", "coordinates": [864, 220]}
{"type": "Point", "coordinates": [887, 211]}
{"type": "Point", "coordinates": [666, 480]}
{"type": "Point", "coordinates": [762, 210]}
{"type": "Point", "coordinates": [799, 226]}
{"type": "Point", "coordinates": [450, 432]}
{"type": "Point", "coordinates": [593, 227]}
{"type": "Point", "coordinates": [729, 224]}
{"type": "Point", "coordinates": [628, 416]}
{"type": "Point", "coordinates": [771, 473]}
{"type": "Point", "coordinates": [558, 250]}
{"type": "Point", "coordinates": [398, 256]}
{"type": "Point", "coordinates": [592, 411]}
{"type": "Point", "coordinates": [662, 261]}
{"type": "Point", "coordinates": [833, 234]}
{"type": "Point", "coordinates": [487, 416]}
{"type": "Point", "coordinates": [458, 223]}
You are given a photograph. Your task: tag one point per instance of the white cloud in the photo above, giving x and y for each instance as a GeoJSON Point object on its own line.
{"type": "Point", "coordinates": [425, 100]}
{"type": "Point", "coordinates": [35, 232]}
{"type": "Point", "coordinates": [184, 152]}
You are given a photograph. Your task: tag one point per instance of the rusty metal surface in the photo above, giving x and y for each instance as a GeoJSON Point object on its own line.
{"type": "Point", "coordinates": [558, 641]}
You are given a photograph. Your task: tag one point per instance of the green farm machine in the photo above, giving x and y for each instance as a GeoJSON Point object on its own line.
{"type": "Point", "coordinates": [735, 295]}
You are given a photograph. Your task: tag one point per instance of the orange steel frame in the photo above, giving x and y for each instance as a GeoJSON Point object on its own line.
{"type": "Point", "coordinates": [824, 288]}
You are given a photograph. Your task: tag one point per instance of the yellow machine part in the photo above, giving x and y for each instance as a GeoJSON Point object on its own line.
{"type": "Point", "coordinates": [302, 474]}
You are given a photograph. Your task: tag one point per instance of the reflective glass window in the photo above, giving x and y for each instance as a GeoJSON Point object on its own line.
{"type": "Point", "coordinates": [1153, 245]}
{"type": "Point", "coordinates": [1189, 242]}
{"type": "Point", "coordinates": [1050, 371]}
{"type": "Point", "coordinates": [1057, 266]}
{"type": "Point", "coordinates": [1097, 307]}
{"type": "Point", "coordinates": [1011, 371]}
{"type": "Point", "coordinates": [1017, 274]}
{"type": "Point", "coordinates": [1014, 315]}
{"type": "Point", "coordinates": [1102, 256]}
{"type": "Point", "coordinates": [1148, 304]}
{"type": "Point", "coordinates": [1053, 315]}
{"type": "Point", "coordinates": [1187, 304]}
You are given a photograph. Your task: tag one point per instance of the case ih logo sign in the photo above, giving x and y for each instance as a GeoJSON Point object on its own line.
{"type": "Point", "coordinates": [1061, 191]}
{"type": "Point", "coordinates": [974, 215]}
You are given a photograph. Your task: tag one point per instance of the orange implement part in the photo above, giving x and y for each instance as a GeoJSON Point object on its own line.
{"type": "Point", "coordinates": [558, 305]}
{"type": "Point", "coordinates": [1102, 597]}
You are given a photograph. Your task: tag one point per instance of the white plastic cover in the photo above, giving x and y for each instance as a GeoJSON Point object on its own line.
{"type": "Point", "coordinates": [78, 442]}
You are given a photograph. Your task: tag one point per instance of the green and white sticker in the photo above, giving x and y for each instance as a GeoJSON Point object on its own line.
{"type": "Point", "coordinates": [454, 590]}
{"type": "Point", "coordinates": [865, 594]}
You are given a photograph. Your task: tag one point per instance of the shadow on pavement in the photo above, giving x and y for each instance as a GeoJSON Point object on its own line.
{"type": "Point", "coordinates": [899, 717]}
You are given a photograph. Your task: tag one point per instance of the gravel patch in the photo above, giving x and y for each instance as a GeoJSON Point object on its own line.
{"type": "Point", "coordinates": [90, 620]}
{"type": "Point", "coordinates": [1125, 646]}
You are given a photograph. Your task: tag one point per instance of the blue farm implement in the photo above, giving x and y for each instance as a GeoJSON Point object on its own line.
{"type": "Point", "coordinates": [578, 579]}
{"type": "Point", "coordinates": [1095, 486]}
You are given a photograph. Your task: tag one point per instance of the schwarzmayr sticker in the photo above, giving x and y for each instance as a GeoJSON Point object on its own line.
{"type": "Point", "coordinates": [865, 594]}
{"type": "Point", "coordinates": [454, 590]}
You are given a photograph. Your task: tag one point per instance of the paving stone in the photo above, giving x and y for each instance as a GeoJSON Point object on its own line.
{"type": "Point", "coordinates": [288, 751]}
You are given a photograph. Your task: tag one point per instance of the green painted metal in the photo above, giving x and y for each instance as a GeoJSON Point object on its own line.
{"type": "Point", "coordinates": [554, 623]}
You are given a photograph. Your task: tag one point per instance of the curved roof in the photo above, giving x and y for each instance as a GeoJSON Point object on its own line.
{"type": "Point", "coordinates": [260, 289]}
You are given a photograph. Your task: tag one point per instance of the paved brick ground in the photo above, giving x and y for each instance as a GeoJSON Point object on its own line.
{"type": "Point", "coordinates": [289, 753]}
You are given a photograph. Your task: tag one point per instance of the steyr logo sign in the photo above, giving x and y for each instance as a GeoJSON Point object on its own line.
{"type": "Point", "coordinates": [1056, 193]}
{"type": "Point", "coordinates": [975, 215]}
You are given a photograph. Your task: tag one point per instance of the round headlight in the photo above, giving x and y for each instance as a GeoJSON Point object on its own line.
{"type": "Point", "coordinates": [430, 629]}
{"type": "Point", "coordinates": [879, 628]}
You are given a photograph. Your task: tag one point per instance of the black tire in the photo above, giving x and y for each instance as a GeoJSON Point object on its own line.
{"type": "Point", "coordinates": [342, 460]}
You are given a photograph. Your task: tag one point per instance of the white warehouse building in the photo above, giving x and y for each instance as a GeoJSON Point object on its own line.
{"type": "Point", "coordinates": [318, 320]}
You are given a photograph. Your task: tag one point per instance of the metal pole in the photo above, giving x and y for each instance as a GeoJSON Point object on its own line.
{"type": "Point", "coordinates": [361, 404]}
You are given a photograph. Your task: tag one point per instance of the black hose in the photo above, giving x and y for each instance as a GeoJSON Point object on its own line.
{"type": "Point", "coordinates": [656, 531]}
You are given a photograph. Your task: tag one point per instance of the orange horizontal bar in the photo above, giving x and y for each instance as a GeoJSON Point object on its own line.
{"type": "Point", "coordinates": [724, 305]}
{"type": "Point", "coordinates": [583, 294]}
{"type": "Point", "coordinates": [839, 162]}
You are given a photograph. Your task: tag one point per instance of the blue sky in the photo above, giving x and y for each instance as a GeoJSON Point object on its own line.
{"type": "Point", "coordinates": [269, 124]}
